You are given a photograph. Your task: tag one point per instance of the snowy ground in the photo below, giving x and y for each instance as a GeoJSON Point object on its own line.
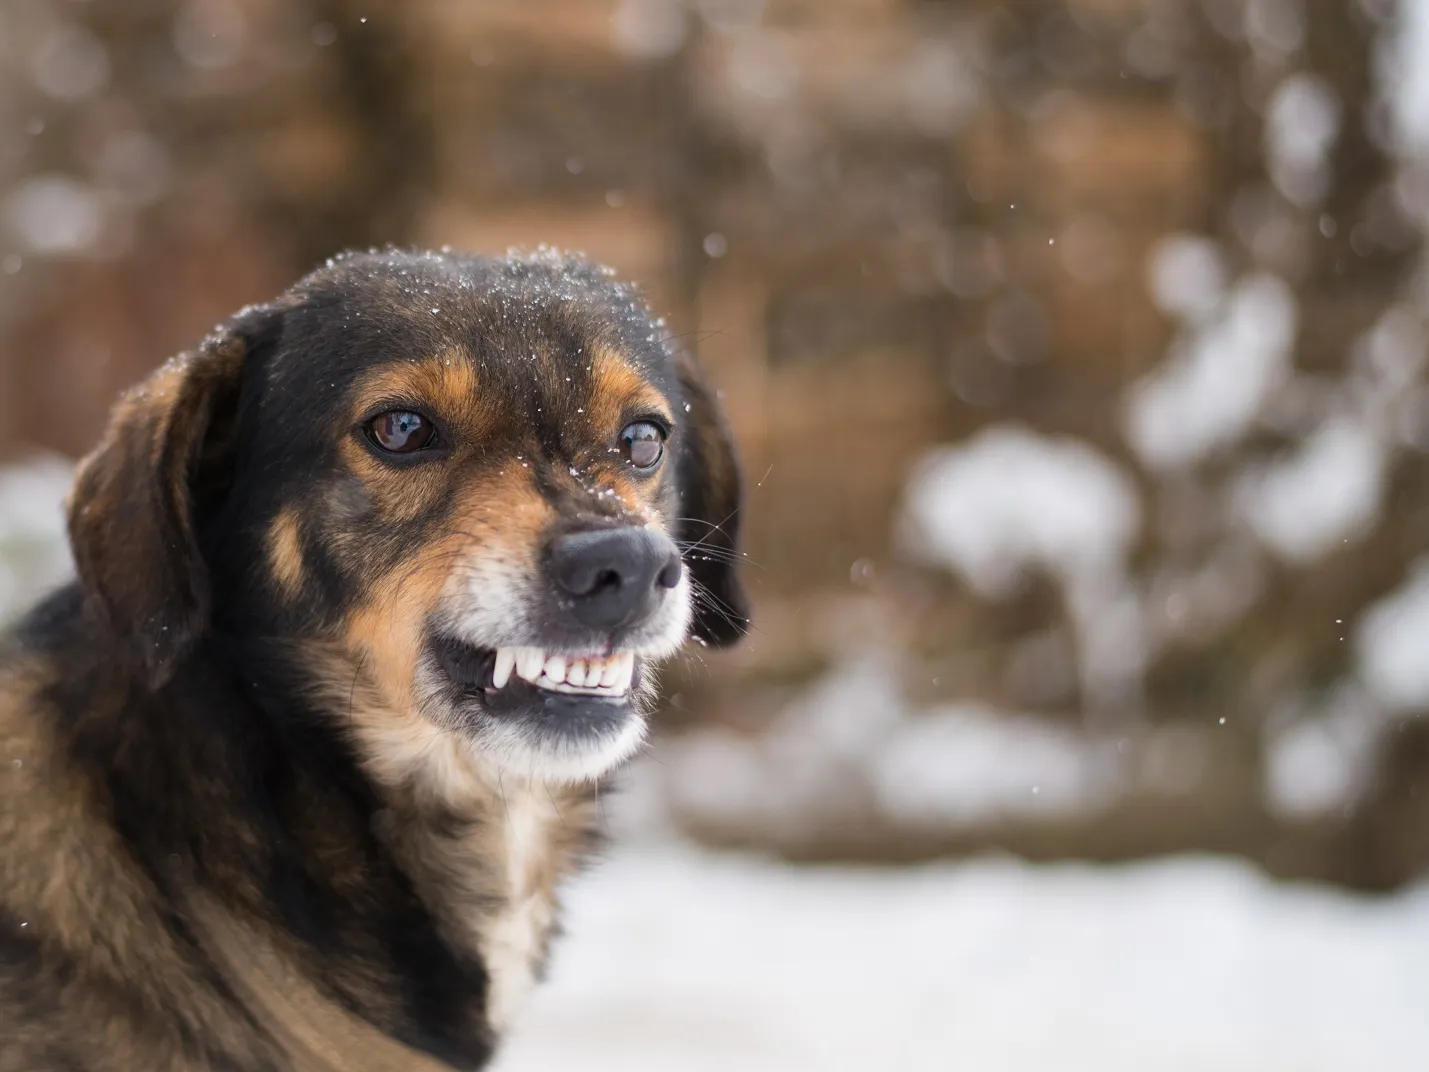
{"type": "Point", "coordinates": [680, 961]}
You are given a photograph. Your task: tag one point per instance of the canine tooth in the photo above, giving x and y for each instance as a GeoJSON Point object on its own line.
{"type": "Point", "coordinates": [529, 662]}
{"type": "Point", "coordinates": [556, 668]}
{"type": "Point", "coordinates": [627, 671]}
{"type": "Point", "coordinates": [610, 673]}
{"type": "Point", "coordinates": [505, 663]}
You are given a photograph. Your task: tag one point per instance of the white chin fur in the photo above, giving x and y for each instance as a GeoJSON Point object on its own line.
{"type": "Point", "coordinates": [516, 750]}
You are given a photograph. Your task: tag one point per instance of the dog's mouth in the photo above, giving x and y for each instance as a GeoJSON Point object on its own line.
{"type": "Point", "coordinates": [561, 716]}
{"type": "Point", "coordinates": [492, 671]}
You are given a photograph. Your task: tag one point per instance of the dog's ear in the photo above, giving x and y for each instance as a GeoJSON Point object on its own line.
{"type": "Point", "coordinates": [131, 511]}
{"type": "Point", "coordinates": [708, 528]}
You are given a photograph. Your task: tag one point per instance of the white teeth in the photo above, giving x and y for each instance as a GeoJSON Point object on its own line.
{"type": "Point", "coordinates": [611, 676]}
{"type": "Point", "coordinates": [529, 662]}
{"type": "Point", "coordinates": [505, 663]}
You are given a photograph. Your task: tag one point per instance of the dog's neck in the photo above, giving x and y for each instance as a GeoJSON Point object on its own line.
{"type": "Point", "coordinates": [490, 875]}
{"type": "Point", "coordinates": [485, 850]}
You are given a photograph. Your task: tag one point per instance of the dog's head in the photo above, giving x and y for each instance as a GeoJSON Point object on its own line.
{"type": "Point", "coordinates": [490, 490]}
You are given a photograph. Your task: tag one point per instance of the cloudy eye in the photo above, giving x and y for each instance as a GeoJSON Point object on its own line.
{"type": "Point", "coordinates": [401, 431]}
{"type": "Point", "coordinates": [643, 443]}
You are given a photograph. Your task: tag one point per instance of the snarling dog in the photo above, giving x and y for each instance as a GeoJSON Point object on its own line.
{"type": "Point", "coordinates": [370, 590]}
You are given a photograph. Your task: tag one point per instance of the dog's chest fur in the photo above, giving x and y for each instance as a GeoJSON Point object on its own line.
{"type": "Point", "coordinates": [487, 854]}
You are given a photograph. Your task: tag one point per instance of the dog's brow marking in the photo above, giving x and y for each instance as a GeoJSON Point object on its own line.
{"type": "Point", "coordinates": [448, 380]}
{"type": "Point", "coordinates": [615, 387]}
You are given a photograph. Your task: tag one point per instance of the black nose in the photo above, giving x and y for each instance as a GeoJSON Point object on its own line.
{"type": "Point", "coordinates": [614, 577]}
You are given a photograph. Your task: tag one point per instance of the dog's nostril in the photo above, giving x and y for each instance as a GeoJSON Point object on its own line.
{"type": "Point", "coordinates": [669, 576]}
{"type": "Point", "coordinates": [605, 579]}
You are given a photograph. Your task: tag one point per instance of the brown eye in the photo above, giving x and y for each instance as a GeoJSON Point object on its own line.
{"type": "Point", "coordinates": [400, 432]}
{"type": "Point", "coordinates": [644, 444]}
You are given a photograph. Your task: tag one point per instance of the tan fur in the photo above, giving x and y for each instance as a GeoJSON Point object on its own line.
{"type": "Point", "coordinates": [617, 390]}
{"type": "Point", "coordinates": [50, 814]}
{"type": "Point", "coordinates": [399, 496]}
{"type": "Point", "coordinates": [313, 1032]}
{"type": "Point", "coordinates": [285, 553]}
{"type": "Point", "coordinates": [500, 514]}
{"type": "Point", "coordinates": [447, 381]}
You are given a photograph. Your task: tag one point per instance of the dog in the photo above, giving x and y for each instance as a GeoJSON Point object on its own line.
{"type": "Point", "coordinates": [371, 586]}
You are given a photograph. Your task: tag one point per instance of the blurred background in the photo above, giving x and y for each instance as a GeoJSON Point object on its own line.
{"type": "Point", "coordinates": [1076, 353]}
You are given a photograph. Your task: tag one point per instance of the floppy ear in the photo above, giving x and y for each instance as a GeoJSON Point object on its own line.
{"type": "Point", "coordinates": [708, 528]}
{"type": "Point", "coordinates": [131, 511]}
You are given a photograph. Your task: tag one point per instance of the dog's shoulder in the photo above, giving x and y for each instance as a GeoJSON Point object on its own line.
{"type": "Point", "coordinates": [91, 959]}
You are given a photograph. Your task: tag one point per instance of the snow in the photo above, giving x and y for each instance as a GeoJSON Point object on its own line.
{"type": "Point", "coordinates": [852, 741]}
{"type": "Point", "coordinates": [1330, 488]}
{"type": "Point", "coordinates": [53, 213]}
{"type": "Point", "coordinates": [967, 764]}
{"type": "Point", "coordinates": [1329, 491]}
{"type": "Point", "coordinates": [679, 961]}
{"type": "Point", "coordinates": [1323, 761]}
{"type": "Point", "coordinates": [1405, 77]}
{"type": "Point", "coordinates": [1386, 362]}
{"type": "Point", "coordinates": [1219, 374]}
{"type": "Point", "coordinates": [34, 555]}
{"type": "Point", "coordinates": [649, 29]}
{"type": "Point", "coordinates": [808, 762]}
{"type": "Point", "coordinates": [1187, 275]}
{"type": "Point", "coordinates": [1302, 122]}
{"type": "Point", "coordinates": [939, 87]}
{"type": "Point", "coordinates": [1275, 28]}
{"type": "Point", "coordinates": [1011, 498]}
{"type": "Point", "coordinates": [1392, 643]}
